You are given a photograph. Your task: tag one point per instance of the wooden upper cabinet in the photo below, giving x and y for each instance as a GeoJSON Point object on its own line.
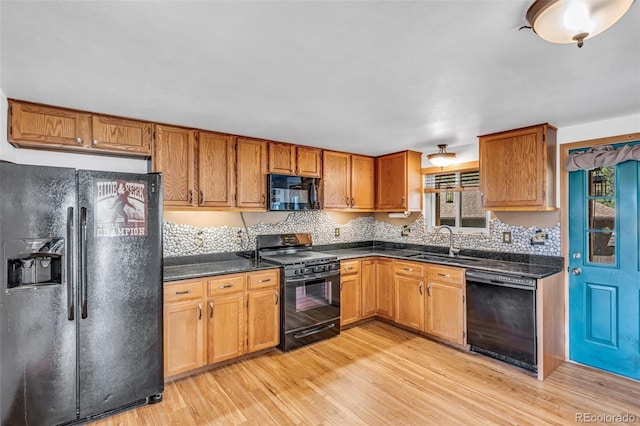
{"type": "Point", "coordinates": [282, 158]}
{"type": "Point", "coordinates": [251, 188]}
{"type": "Point", "coordinates": [336, 182]}
{"type": "Point", "coordinates": [288, 159]}
{"type": "Point", "coordinates": [348, 181]}
{"type": "Point", "coordinates": [309, 161]}
{"type": "Point", "coordinates": [216, 170]}
{"type": "Point", "coordinates": [119, 134]}
{"type": "Point", "coordinates": [362, 182]}
{"type": "Point", "coordinates": [46, 127]}
{"type": "Point", "coordinates": [517, 169]}
{"type": "Point", "coordinates": [40, 126]}
{"type": "Point", "coordinates": [399, 182]}
{"type": "Point", "coordinates": [174, 156]}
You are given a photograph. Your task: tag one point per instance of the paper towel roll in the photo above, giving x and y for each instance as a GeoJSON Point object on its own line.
{"type": "Point", "coordinates": [402, 215]}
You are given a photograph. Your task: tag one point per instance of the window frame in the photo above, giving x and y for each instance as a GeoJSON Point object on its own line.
{"type": "Point", "coordinates": [430, 199]}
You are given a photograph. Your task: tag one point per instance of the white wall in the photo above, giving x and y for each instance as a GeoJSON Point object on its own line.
{"type": "Point", "coordinates": [59, 159]}
{"type": "Point", "coordinates": [600, 129]}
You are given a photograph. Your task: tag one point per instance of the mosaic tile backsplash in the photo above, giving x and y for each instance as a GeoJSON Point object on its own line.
{"type": "Point", "coordinates": [184, 240]}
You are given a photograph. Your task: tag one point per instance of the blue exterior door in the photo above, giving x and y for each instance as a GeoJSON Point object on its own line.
{"type": "Point", "coordinates": [604, 264]}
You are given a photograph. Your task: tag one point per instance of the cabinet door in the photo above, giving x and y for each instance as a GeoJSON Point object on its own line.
{"type": "Point", "coordinates": [183, 337]}
{"type": "Point", "coordinates": [216, 170]}
{"type": "Point", "coordinates": [251, 185]}
{"type": "Point", "coordinates": [349, 299]}
{"type": "Point", "coordinates": [362, 182]}
{"type": "Point", "coordinates": [391, 182]}
{"type": "Point", "coordinates": [309, 162]}
{"type": "Point", "coordinates": [282, 158]}
{"type": "Point", "coordinates": [33, 125]}
{"type": "Point", "coordinates": [121, 135]}
{"type": "Point", "coordinates": [174, 156]}
{"type": "Point", "coordinates": [445, 312]}
{"type": "Point", "coordinates": [385, 299]}
{"type": "Point", "coordinates": [512, 169]}
{"type": "Point", "coordinates": [225, 327]}
{"type": "Point", "coordinates": [409, 302]}
{"type": "Point", "coordinates": [336, 180]}
{"type": "Point", "coordinates": [263, 319]}
{"type": "Point", "coordinates": [368, 289]}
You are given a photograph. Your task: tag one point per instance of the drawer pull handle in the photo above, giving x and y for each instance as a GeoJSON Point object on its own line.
{"type": "Point", "coordinates": [210, 309]}
{"type": "Point", "coordinates": [277, 298]}
{"type": "Point", "coordinates": [408, 269]}
{"type": "Point", "coordinates": [199, 312]}
{"type": "Point", "coordinates": [226, 286]}
{"type": "Point", "coordinates": [182, 292]}
{"type": "Point", "coordinates": [264, 281]}
{"type": "Point", "coordinates": [348, 268]}
{"type": "Point", "coordinates": [444, 275]}
{"type": "Point", "coordinates": [429, 290]}
{"type": "Point", "coordinates": [420, 288]}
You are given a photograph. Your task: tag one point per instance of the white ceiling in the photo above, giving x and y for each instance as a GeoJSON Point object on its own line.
{"type": "Point", "coordinates": [365, 77]}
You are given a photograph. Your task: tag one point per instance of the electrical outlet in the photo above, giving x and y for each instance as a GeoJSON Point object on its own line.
{"type": "Point", "coordinates": [405, 231]}
{"type": "Point", "coordinates": [506, 237]}
{"type": "Point", "coordinates": [538, 238]}
{"type": "Point", "coordinates": [336, 232]}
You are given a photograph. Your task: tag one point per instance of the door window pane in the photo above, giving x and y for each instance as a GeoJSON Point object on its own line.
{"type": "Point", "coordinates": [602, 214]}
{"type": "Point", "coordinates": [602, 182]}
{"type": "Point", "coordinates": [602, 247]}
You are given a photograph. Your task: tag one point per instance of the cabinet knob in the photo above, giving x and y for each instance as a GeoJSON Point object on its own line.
{"type": "Point", "coordinates": [79, 140]}
{"type": "Point", "coordinates": [95, 141]}
{"type": "Point", "coordinates": [353, 201]}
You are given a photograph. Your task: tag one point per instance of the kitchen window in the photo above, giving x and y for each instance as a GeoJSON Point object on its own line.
{"type": "Point", "coordinates": [453, 199]}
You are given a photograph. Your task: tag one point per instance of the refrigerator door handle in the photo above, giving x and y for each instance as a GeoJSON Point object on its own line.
{"type": "Point", "coordinates": [83, 261]}
{"type": "Point", "coordinates": [70, 232]}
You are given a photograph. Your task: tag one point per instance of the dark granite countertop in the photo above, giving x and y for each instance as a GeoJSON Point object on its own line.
{"type": "Point", "coordinates": [185, 267]}
{"type": "Point", "coordinates": [534, 266]}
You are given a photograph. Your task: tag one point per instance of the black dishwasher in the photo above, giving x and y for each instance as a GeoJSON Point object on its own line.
{"type": "Point", "coordinates": [501, 317]}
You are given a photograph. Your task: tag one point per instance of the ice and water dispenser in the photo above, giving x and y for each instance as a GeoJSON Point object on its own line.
{"type": "Point", "coordinates": [35, 261]}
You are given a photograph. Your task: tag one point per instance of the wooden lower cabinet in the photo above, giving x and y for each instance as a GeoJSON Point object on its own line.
{"type": "Point", "coordinates": [368, 305]}
{"type": "Point", "coordinates": [385, 289]}
{"type": "Point", "coordinates": [444, 304]}
{"type": "Point", "coordinates": [409, 294]}
{"type": "Point", "coordinates": [263, 310]}
{"type": "Point", "coordinates": [226, 317]}
{"type": "Point", "coordinates": [211, 320]}
{"type": "Point", "coordinates": [349, 292]}
{"type": "Point", "coordinates": [184, 327]}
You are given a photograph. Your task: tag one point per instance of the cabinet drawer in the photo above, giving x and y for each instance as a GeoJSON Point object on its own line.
{"type": "Point", "coordinates": [445, 274]}
{"type": "Point", "coordinates": [183, 291]}
{"type": "Point", "coordinates": [350, 267]}
{"type": "Point", "coordinates": [266, 279]}
{"type": "Point", "coordinates": [226, 284]}
{"type": "Point", "coordinates": [409, 269]}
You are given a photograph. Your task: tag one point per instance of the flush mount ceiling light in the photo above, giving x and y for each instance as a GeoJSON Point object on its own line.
{"type": "Point", "coordinates": [574, 21]}
{"type": "Point", "coordinates": [442, 158]}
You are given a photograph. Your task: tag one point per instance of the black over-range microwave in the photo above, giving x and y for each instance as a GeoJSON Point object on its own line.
{"type": "Point", "coordinates": [292, 193]}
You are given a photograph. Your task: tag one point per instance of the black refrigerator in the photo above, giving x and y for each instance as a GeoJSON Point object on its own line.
{"type": "Point", "coordinates": [81, 297]}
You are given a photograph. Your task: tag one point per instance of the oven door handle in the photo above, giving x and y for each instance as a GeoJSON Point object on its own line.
{"type": "Point", "coordinates": [299, 280]}
{"type": "Point", "coordinates": [314, 331]}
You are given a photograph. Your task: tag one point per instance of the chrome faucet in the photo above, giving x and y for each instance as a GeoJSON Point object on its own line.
{"type": "Point", "coordinates": [452, 250]}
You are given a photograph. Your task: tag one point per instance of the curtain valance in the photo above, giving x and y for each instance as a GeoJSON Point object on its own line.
{"type": "Point", "coordinates": [600, 156]}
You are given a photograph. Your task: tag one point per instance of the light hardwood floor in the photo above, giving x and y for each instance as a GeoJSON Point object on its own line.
{"type": "Point", "coordinates": [377, 374]}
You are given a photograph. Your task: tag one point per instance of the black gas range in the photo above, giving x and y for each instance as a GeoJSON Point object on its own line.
{"type": "Point", "coordinates": [310, 288]}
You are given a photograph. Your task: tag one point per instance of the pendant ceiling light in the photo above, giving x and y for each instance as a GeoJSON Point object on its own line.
{"type": "Point", "coordinates": [574, 21]}
{"type": "Point", "coordinates": [442, 158]}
